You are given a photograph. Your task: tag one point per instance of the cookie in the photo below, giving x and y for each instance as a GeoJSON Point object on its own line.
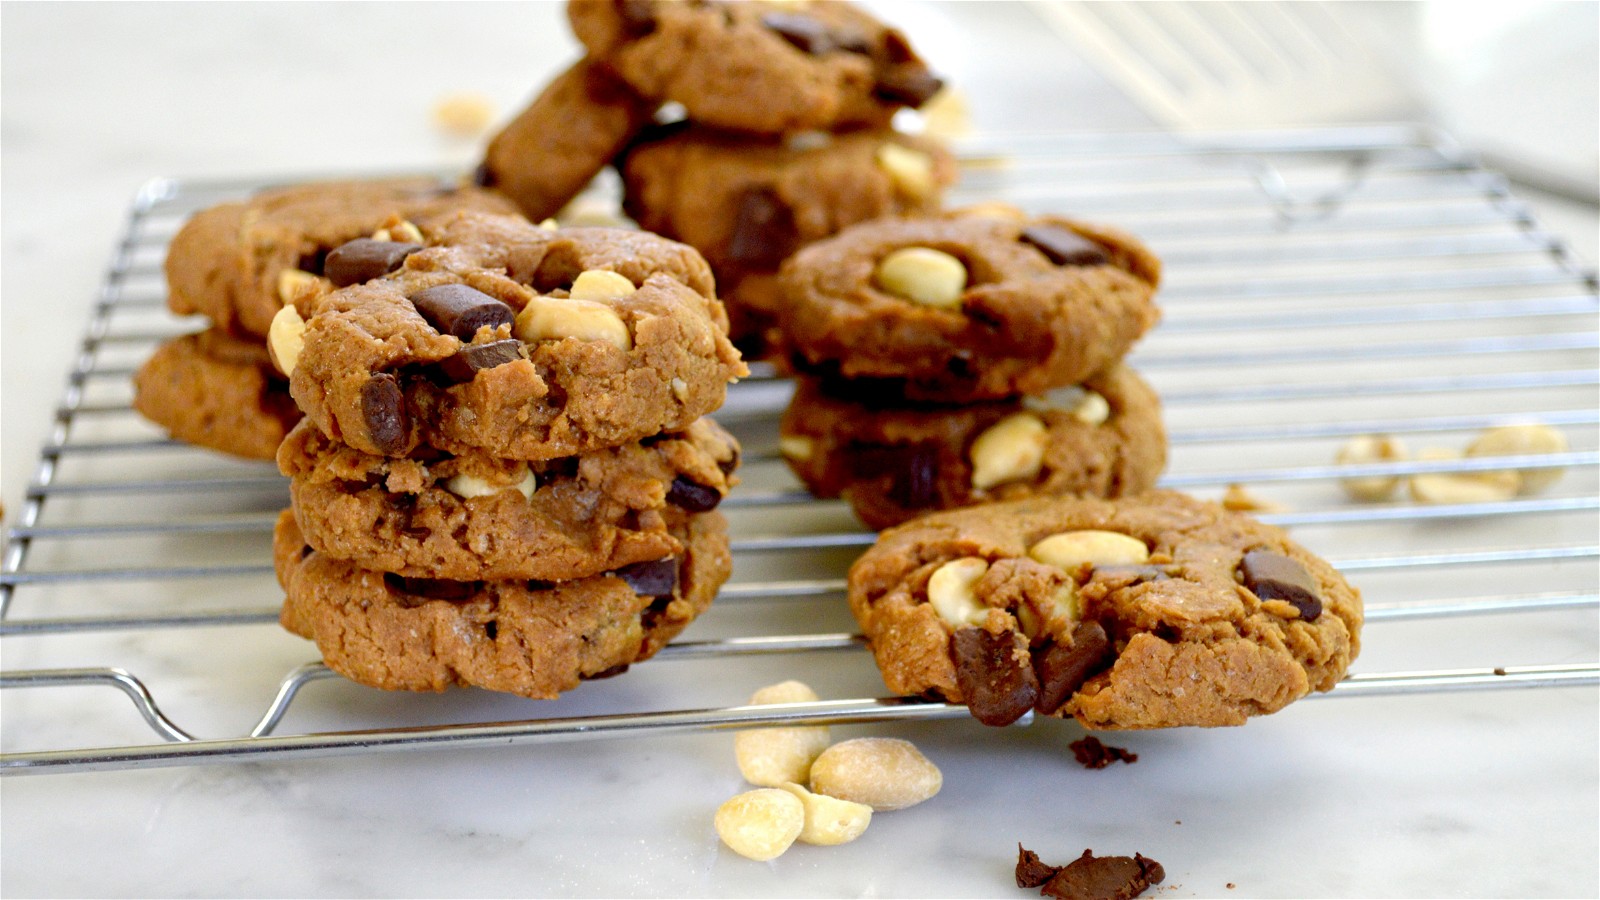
{"type": "Point", "coordinates": [969, 307]}
{"type": "Point", "coordinates": [513, 340]}
{"type": "Point", "coordinates": [531, 638]}
{"type": "Point", "coordinates": [228, 262]}
{"type": "Point", "coordinates": [555, 147]}
{"type": "Point", "coordinates": [747, 204]}
{"type": "Point", "coordinates": [469, 518]}
{"type": "Point", "coordinates": [218, 391]}
{"type": "Point", "coordinates": [895, 460]}
{"type": "Point", "coordinates": [1145, 612]}
{"type": "Point", "coordinates": [763, 67]}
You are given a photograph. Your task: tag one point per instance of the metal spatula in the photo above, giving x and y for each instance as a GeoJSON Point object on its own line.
{"type": "Point", "coordinates": [1233, 64]}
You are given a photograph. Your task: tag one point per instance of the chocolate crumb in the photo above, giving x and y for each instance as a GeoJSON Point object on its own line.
{"type": "Point", "coordinates": [1499, 671]}
{"type": "Point", "coordinates": [1230, 885]}
{"type": "Point", "coordinates": [1031, 872]}
{"type": "Point", "coordinates": [1092, 754]}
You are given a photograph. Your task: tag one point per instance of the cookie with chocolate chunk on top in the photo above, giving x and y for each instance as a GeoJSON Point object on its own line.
{"type": "Point", "coordinates": [532, 638]}
{"type": "Point", "coordinates": [758, 66]}
{"type": "Point", "coordinates": [1151, 611]}
{"type": "Point", "coordinates": [749, 203]}
{"type": "Point", "coordinates": [894, 460]}
{"type": "Point", "coordinates": [473, 517]}
{"type": "Point", "coordinates": [239, 263]}
{"type": "Point", "coordinates": [969, 306]}
{"type": "Point", "coordinates": [521, 342]}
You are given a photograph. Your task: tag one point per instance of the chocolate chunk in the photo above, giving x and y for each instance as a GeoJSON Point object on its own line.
{"type": "Point", "coordinates": [999, 688]}
{"type": "Point", "coordinates": [1062, 669]}
{"type": "Point", "coordinates": [638, 16]}
{"type": "Point", "coordinates": [383, 407]}
{"type": "Point", "coordinates": [764, 233]}
{"type": "Point", "coordinates": [1031, 872]}
{"type": "Point", "coordinates": [1091, 877]}
{"type": "Point", "coordinates": [612, 672]}
{"type": "Point", "coordinates": [693, 496]}
{"type": "Point", "coordinates": [1091, 754]}
{"type": "Point", "coordinates": [312, 262]}
{"type": "Point", "coordinates": [908, 83]}
{"type": "Point", "coordinates": [803, 32]}
{"type": "Point", "coordinates": [730, 464]}
{"type": "Point", "coordinates": [916, 483]}
{"type": "Point", "coordinates": [429, 588]}
{"type": "Point", "coordinates": [1273, 576]}
{"type": "Point", "coordinates": [483, 176]}
{"type": "Point", "coordinates": [1063, 246]}
{"type": "Point", "coordinates": [475, 357]}
{"type": "Point", "coordinates": [364, 259]}
{"type": "Point", "coordinates": [460, 310]}
{"type": "Point", "coordinates": [655, 578]}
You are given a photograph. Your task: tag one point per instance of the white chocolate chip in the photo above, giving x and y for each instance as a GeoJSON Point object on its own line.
{"type": "Point", "coordinates": [286, 337]}
{"type": "Point", "coordinates": [883, 773]}
{"type": "Point", "coordinates": [910, 170]}
{"type": "Point", "coordinates": [760, 824]}
{"type": "Point", "coordinates": [1523, 440]}
{"type": "Point", "coordinates": [1071, 549]}
{"type": "Point", "coordinates": [1462, 487]}
{"type": "Point", "coordinates": [468, 486]}
{"type": "Point", "coordinates": [1092, 409]}
{"type": "Point", "coordinates": [771, 757]}
{"type": "Point", "coordinates": [829, 820]}
{"type": "Point", "coordinates": [555, 318]}
{"type": "Point", "coordinates": [797, 447]}
{"type": "Point", "coordinates": [292, 282]}
{"type": "Point", "coordinates": [923, 275]}
{"type": "Point", "coordinates": [1371, 448]}
{"type": "Point", "coordinates": [952, 591]}
{"type": "Point", "coordinates": [598, 284]}
{"type": "Point", "coordinates": [1012, 449]}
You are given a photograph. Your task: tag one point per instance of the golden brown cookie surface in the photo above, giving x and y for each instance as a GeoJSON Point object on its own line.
{"type": "Point", "coordinates": [1145, 612]}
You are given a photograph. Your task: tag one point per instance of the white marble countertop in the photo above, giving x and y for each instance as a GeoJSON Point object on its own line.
{"type": "Point", "coordinates": [1470, 794]}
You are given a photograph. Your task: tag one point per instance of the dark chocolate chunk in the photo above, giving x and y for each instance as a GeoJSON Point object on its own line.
{"type": "Point", "coordinates": [1031, 872]}
{"type": "Point", "coordinates": [1063, 246]}
{"type": "Point", "coordinates": [1273, 576]}
{"type": "Point", "coordinates": [999, 688]}
{"type": "Point", "coordinates": [908, 83]}
{"type": "Point", "coordinates": [803, 32]}
{"type": "Point", "coordinates": [1091, 877]}
{"type": "Point", "coordinates": [1091, 754]}
{"type": "Point", "coordinates": [383, 407]}
{"type": "Point", "coordinates": [460, 310]}
{"type": "Point", "coordinates": [693, 496]}
{"type": "Point", "coordinates": [364, 259]}
{"type": "Point", "coordinates": [483, 176]}
{"type": "Point", "coordinates": [764, 232]}
{"type": "Point", "coordinates": [1063, 669]}
{"type": "Point", "coordinates": [476, 357]}
{"type": "Point", "coordinates": [429, 588]}
{"type": "Point", "coordinates": [916, 483]}
{"type": "Point", "coordinates": [638, 16]}
{"type": "Point", "coordinates": [312, 262]}
{"type": "Point", "coordinates": [654, 578]}
{"type": "Point", "coordinates": [730, 464]}
{"type": "Point", "coordinates": [612, 672]}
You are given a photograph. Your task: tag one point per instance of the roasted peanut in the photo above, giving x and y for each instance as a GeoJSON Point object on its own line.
{"type": "Point", "coordinates": [883, 773]}
{"type": "Point", "coordinates": [286, 337]}
{"type": "Point", "coordinates": [468, 486]}
{"type": "Point", "coordinates": [923, 275]}
{"type": "Point", "coordinates": [1372, 448]}
{"type": "Point", "coordinates": [910, 170]}
{"type": "Point", "coordinates": [829, 820]}
{"type": "Point", "coordinates": [598, 284]}
{"type": "Point", "coordinates": [770, 757]}
{"type": "Point", "coordinates": [1523, 440]}
{"type": "Point", "coordinates": [952, 591]}
{"type": "Point", "coordinates": [1092, 409]}
{"type": "Point", "coordinates": [1011, 449]}
{"type": "Point", "coordinates": [291, 282]}
{"type": "Point", "coordinates": [555, 318]}
{"type": "Point", "coordinates": [1461, 487]}
{"type": "Point", "coordinates": [1071, 549]}
{"type": "Point", "coordinates": [760, 824]}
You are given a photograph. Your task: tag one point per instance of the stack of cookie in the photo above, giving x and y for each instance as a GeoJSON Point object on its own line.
{"type": "Point", "coordinates": [969, 357]}
{"type": "Point", "coordinates": [238, 264]}
{"type": "Point", "coordinates": [784, 133]}
{"type": "Point", "coordinates": [503, 477]}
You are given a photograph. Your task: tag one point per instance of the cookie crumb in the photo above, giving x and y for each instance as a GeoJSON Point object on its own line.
{"type": "Point", "coordinates": [1092, 754]}
{"type": "Point", "coordinates": [1089, 877]}
{"type": "Point", "coordinates": [1499, 671]}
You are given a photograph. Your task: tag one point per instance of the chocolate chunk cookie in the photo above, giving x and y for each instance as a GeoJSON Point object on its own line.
{"type": "Point", "coordinates": [895, 460]}
{"type": "Point", "coordinates": [228, 262]}
{"type": "Point", "coordinates": [552, 150]}
{"type": "Point", "coordinates": [758, 66]}
{"type": "Point", "coordinates": [1145, 612]}
{"type": "Point", "coordinates": [474, 517]}
{"type": "Point", "coordinates": [969, 307]}
{"type": "Point", "coordinates": [748, 203]}
{"type": "Point", "coordinates": [520, 342]}
{"type": "Point", "coordinates": [531, 638]}
{"type": "Point", "coordinates": [218, 391]}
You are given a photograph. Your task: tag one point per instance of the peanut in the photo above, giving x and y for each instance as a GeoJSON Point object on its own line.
{"type": "Point", "coordinates": [1372, 448]}
{"type": "Point", "coordinates": [291, 282]}
{"type": "Point", "coordinates": [1092, 409]}
{"type": "Point", "coordinates": [952, 591]}
{"type": "Point", "coordinates": [1462, 487]}
{"type": "Point", "coordinates": [911, 171]}
{"type": "Point", "coordinates": [796, 447]}
{"type": "Point", "coordinates": [286, 337]}
{"type": "Point", "coordinates": [1011, 449]}
{"type": "Point", "coordinates": [1071, 549]}
{"type": "Point", "coordinates": [760, 824]}
{"type": "Point", "coordinates": [923, 275]}
{"type": "Point", "coordinates": [555, 318]}
{"type": "Point", "coordinates": [770, 757]}
{"type": "Point", "coordinates": [1523, 440]}
{"type": "Point", "coordinates": [829, 820]}
{"type": "Point", "coordinates": [883, 773]}
{"type": "Point", "coordinates": [598, 284]}
{"type": "Point", "coordinates": [468, 486]}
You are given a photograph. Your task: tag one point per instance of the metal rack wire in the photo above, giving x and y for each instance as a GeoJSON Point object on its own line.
{"type": "Point", "coordinates": [1321, 284]}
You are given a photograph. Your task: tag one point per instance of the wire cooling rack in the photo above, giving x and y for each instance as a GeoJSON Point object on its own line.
{"type": "Point", "coordinates": [1321, 284]}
